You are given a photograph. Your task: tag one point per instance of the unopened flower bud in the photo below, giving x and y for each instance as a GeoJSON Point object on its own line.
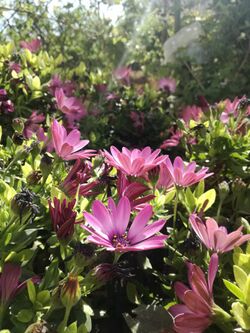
{"type": "Point", "coordinates": [34, 177]}
{"type": "Point", "coordinates": [18, 138]}
{"type": "Point", "coordinates": [3, 95]}
{"type": "Point", "coordinates": [153, 174]}
{"type": "Point", "coordinates": [18, 125]}
{"type": "Point", "coordinates": [22, 203]}
{"type": "Point", "coordinates": [223, 190]}
{"type": "Point", "coordinates": [46, 165]}
{"type": "Point", "coordinates": [70, 291]}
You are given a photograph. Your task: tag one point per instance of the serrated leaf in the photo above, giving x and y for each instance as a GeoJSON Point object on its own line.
{"type": "Point", "coordinates": [234, 289]}
{"type": "Point", "coordinates": [241, 315]}
{"type": "Point", "coordinates": [247, 291]}
{"type": "Point", "coordinates": [240, 277]}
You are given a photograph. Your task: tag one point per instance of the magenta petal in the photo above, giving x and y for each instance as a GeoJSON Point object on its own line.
{"type": "Point", "coordinates": [140, 221]}
{"type": "Point", "coordinates": [121, 218]}
{"type": "Point", "coordinates": [148, 231]}
{"type": "Point", "coordinates": [212, 271]}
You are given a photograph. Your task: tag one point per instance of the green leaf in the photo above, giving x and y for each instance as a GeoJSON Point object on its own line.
{"type": "Point", "coordinates": [169, 196]}
{"type": "Point", "coordinates": [149, 319]}
{"type": "Point", "coordinates": [234, 289]}
{"type": "Point", "coordinates": [43, 297]}
{"type": "Point", "coordinates": [72, 328]}
{"type": "Point", "coordinates": [132, 293]}
{"type": "Point", "coordinates": [247, 291]}
{"type": "Point", "coordinates": [241, 315]}
{"type": "Point", "coordinates": [199, 190]}
{"type": "Point", "coordinates": [206, 200]}
{"type": "Point", "coordinates": [87, 309]}
{"type": "Point", "coordinates": [240, 277]}
{"type": "Point", "coordinates": [31, 291]}
{"type": "Point", "coordinates": [25, 315]}
{"type": "Point", "coordinates": [190, 200]}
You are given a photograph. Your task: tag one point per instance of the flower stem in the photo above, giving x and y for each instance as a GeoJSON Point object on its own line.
{"type": "Point", "coordinates": [175, 213]}
{"type": "Point", "coordinates": [222, 319]}
{"type": "Point", "coordinates": [2, 312]}
{"type": "Point", "coordinates": [117, 257]}
{"type": "Point", "coordinates": [63, 324]}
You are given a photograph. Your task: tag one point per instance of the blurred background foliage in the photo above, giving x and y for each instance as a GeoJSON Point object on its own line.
{"type": "Point", "coordinates": [90, 37]}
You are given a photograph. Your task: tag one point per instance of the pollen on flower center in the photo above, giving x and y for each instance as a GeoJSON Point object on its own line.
{"type": "Point", "coordinates": [120, 240]}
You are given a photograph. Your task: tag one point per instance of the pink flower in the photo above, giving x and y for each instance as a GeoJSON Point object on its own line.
{"type": "Point", "coordinates": [134, 163]}
{"type": "Point", "coordinates": [32, 124]}
{"type": "Point", "coordinates": [122, 74]}
{"type": "Point", "coordinates": [133, 191]}
{"type": "Point", "coordinates": [174, 140]}
{"type": "Point", "coordinates": [13, 66]}
{"type": "Point", "coordinates": [179, 174]}
{"type": "Point", "coordinates": [214, 237]}
{"type": "Point", "coordinates": [68, 146]}
{"type": "Point", "coordinates": [67, 86]}
{"type": "Point", "coordinates": [33, 46]}
{"type": "Point", "coordinates": [191, 113]}
{"type": "Point", "coordinates": [63, 218]}
{"type": "Point", "coordinates": [231, 109]}
{"type": "Point", "coordinates": [70, 106]}
{"type": "Point", "coordinates": [9, 282]}
{"type": "Point", "coordinates": [77, 180]}
{"type": "Point", "coordinates": [110, 227]}
{"type": "Point", "coordinates": [167, 84]}
{"type": "Point", "coordinates": [195, 315]}
{"type": "Point", "coordinates": [111, 96]}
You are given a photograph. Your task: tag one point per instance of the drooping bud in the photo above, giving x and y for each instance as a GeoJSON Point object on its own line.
{"type": "Point", "coordinates": [223, 190]}
{"type": "Point", "coordinates": [18, 125]}
{"type": "Point", "coordinates": [46, 165]}
{"type": "Point", "coordinates": [22, 203]}
{"type": "Point", "coordinates": [18, 138]}
{"type": "Point", "coordinates": [34, 177]}
{"type": "Point", "coordinates": [70, 291]}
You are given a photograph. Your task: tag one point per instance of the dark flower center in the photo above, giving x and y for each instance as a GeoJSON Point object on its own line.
{"type": "Point", "coordinates": [120, 240]}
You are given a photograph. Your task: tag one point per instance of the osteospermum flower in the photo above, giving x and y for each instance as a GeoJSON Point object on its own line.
{"type": "Point", "coordinates": [191, 113]}
{"type": "Point", "coordinates": [110, 227]}
{"type": "Point", "coordinates": [70, 106]}
{"type": "Point", "coordinates": [195, 315]}
{"type": "Point", "coordinates": [68, 146]}
{"type": "Point", "coordinates": [180, 174]}
{"type": "Point", "coordinates": [33, 45]}
{"type": "Point", "coordinates": [135, 162]}
{"type": "Point", "coordinates": [214, 237]}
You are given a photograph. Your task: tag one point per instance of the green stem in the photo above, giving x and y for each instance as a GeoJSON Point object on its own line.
{"type": "Point", "coordinates": [117, 257]}
{"type": "Point", "coordinates": [177, 252]}
{"type": "Point", "coordinates": [63, 324]}
{"type": "Point", "coordinates": [2, 312]}
{"type": "Point", "coordinates": [175, 213]}
{"type": "Point", "coordinates": [222, 319]}
{"type": "Point", "coordinates": [219, 210]}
